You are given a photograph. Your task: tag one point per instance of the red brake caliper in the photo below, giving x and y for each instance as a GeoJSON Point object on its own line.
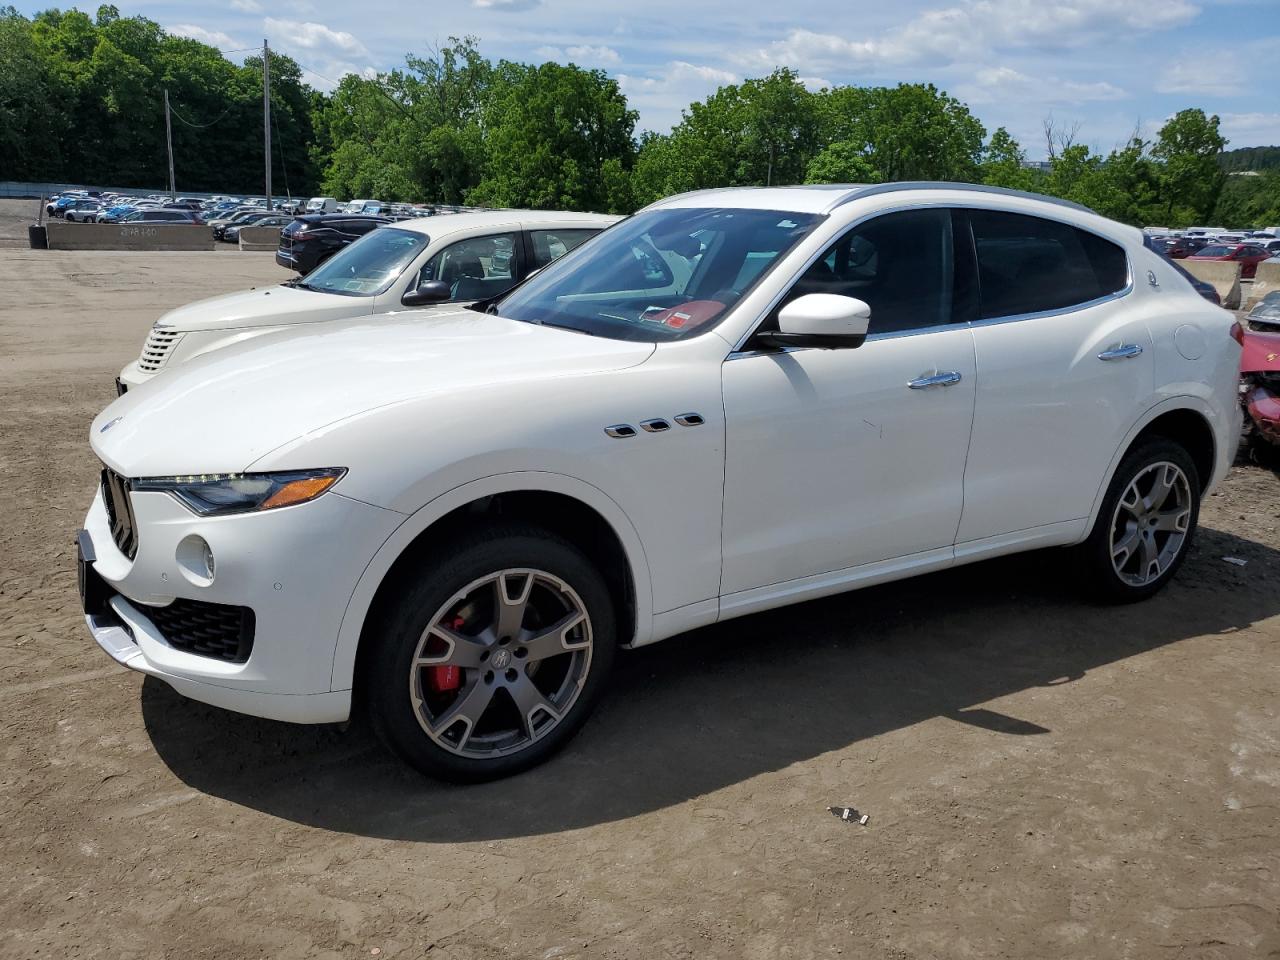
{"type": "Point", "coordinates": [445, 678]}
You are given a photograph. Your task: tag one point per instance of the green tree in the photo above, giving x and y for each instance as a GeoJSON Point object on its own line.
{"type": "Point", "coordinates": [749, 134]}
{"type": "Point", "coordinates": [909, 132]}
{"type": "Point", "coordinates": [1004, 163]}
{"type": "Point", "coordinates": [841, 162]}
{"type": "Point", "coordinates": [1188, 149]}
{"type": "Point", "coordinates": [550, 130]}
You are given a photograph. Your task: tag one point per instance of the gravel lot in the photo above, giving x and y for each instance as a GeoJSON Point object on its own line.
{"type": "Point", "coordinates": [1044, 777]}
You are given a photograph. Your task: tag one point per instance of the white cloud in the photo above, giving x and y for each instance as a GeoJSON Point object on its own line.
{"type": "Point", "coordinates": [667, 90]}
{"type": "Point", "coordinates": [215, 38]}
{"type": "Point", "coordinates": [313, 36]}
{"type": "Point", "coordinates": [1004, 84]}
{"type": "Point", "coordinates": [506, 5]}
{"type": "Point", "coordinates": [814, 84]}
{"type": "Point", "coordinates": [589, 54]}
{"type": "Point", "coordinates": [973, 29]}
{"type": "Point", "coordinates": [1225, 79]}
{"type": "Point", "coordinates": [580, 54]}
{"type": "Point", "coordinates": [247, 6]}
{"type": "Point", "coordinates": [1250, 129]}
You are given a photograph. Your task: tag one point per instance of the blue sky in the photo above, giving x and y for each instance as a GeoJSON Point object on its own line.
{"type": "Point", "coordinates": [1110, 66]}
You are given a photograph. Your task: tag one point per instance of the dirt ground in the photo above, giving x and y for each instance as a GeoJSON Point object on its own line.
{"type": "Point", "coordinates": [1044, 777]}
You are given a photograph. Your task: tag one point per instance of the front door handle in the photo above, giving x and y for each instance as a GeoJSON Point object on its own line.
{"type": "Point", "coordinates": [1126, 351]}
{"type": "Point", "coordinates": [941, 379]}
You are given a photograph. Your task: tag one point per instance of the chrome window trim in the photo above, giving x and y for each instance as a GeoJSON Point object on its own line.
{"type": "Point", "coordinates": [738, 351]}
{"type": "Point", "coordinates": [1060, 311]}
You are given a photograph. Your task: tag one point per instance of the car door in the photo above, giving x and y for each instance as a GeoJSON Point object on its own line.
{"type": "Point", "coordinates": [1064, 369]}
{"type": "Point", "coordinates": [839, 458]}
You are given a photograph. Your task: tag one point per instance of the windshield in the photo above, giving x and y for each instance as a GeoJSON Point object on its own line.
{"type": "Point", "coordinates": [1215, 252]}
{"type": "Point", "coordinates": [368, 266]}
{"type": "Point", "coordinates": [661, 275]}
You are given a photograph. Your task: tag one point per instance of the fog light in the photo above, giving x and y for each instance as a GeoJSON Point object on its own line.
{"type": "Point", "coordinates": [195, 560]}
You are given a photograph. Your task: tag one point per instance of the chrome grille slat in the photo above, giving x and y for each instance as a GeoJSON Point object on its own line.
{"type": "Point", "coordinates": [156, 350]}
{"type": "Point", "coordinates": [115, 496]}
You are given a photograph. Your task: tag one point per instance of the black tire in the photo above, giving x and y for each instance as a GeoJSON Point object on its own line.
{"type": "Point", "coordinates": [1095, 554]}
{"type": "Point", "coordinates": [424, 591]}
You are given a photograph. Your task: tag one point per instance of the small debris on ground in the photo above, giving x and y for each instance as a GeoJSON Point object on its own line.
{"type": "Point", "coordinates": [849, 815]}
{"type": "Point", "coordinates": [1235, 561]}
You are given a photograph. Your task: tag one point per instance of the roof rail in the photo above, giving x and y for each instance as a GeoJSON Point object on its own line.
{"type": "Point", "coordinates": [857, 193]}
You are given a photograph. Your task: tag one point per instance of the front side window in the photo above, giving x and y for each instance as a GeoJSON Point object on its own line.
{"type": "Point", "coordinates": [899, 264]}
{"type": "Point", "coordinates": [1032, 265]}
{"type": "Point", "coordinates": [368, 266]}
{"type": "Point", "coordinates": [476, 268]}
{"type": "Point", "coordinates": [551, 245]}
{"type": "Point", "coordinates": [661, 275]}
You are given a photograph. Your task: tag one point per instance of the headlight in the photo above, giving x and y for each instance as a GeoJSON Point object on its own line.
{"type": "Point", "coordinates": [214, 494]}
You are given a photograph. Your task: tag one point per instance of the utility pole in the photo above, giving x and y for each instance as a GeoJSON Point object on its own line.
{"type": "Point", "coordinates": [168, 137]}
{"type": "Point", "coordinates": [266, 113]}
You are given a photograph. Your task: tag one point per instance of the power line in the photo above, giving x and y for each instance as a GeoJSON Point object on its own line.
{"type": "Point", "coordinates": [200, 126]}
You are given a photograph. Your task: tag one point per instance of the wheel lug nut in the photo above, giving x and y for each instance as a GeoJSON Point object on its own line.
{"type": "Point", "coordinates": [488, 676]}
{"type": "Point", "coordinates": [522, 652]}
{"type": "Point", "coordinates": [511, 675]}
{"type": "Point", "coordinates": [504, 641]}
{"type": "Point", "coordinates": [484, 656]}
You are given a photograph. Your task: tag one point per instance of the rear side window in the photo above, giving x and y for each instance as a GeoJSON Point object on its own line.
{"type": "Point", "coordinates": [1030, 265]}
{"type": "Point", "coordinates": [550, 245]}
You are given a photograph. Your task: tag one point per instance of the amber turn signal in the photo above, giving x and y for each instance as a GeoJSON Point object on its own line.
{"type": "Point", "coordinates": [298, 491]}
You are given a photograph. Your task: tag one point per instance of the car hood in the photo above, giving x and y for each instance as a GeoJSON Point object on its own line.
{"type": "Point", "coordinates": [221, 412]}
{"type": "Point", "coordinates": [263, 306]}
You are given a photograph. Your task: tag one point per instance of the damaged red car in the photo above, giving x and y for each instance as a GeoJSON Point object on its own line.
{"type": "Point", "coordinates": [1260, 374]}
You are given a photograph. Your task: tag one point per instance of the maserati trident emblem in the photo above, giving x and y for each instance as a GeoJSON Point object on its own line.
{"type": "Point", "coordinates": [109, 424]}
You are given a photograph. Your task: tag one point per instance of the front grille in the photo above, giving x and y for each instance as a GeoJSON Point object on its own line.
{"type": "Point", "coordinates": [156, 350]}
{"type": "Point", "coordinates": [215, 630]}
{"type": "Point", "coordinates": [115, 495]}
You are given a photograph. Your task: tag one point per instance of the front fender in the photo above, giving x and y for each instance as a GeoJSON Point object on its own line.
{"type": "Point", "coordinates": [344, 659]}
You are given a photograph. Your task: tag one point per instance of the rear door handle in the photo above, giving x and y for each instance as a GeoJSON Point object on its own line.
{"type": "Point", "coordinates": [941, 379]}
{"type": "Point", "coordinates": [1126, 351]}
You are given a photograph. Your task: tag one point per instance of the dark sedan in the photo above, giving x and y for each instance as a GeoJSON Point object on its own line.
{"type": "Point", "coordinates": [312, 239]}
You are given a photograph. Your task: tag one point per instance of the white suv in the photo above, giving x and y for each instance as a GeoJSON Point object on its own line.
{"type": "Point", "coordinates": [734, 400]}
{"type": "Point", "coordinates": [454, 259]}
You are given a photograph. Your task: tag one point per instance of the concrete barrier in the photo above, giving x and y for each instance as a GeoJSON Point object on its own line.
{"type": "Point", "coordinates": [1266, 281]}
{"type": "Point", "coordinates": [128, 236]}
{"type": "Point", "coordinates": [259, 238]}
{"type": "Point", "coordinates": [1223, 274]}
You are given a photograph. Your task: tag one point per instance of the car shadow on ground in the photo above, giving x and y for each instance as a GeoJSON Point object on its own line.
{"type": "Point", "coordinates": [720, 705]}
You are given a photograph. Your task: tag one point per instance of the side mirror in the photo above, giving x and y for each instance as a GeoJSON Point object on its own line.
{"type": "Point", "coordinates": [824, 320]}
{"type": "Point", "coordinates": [433, 291]}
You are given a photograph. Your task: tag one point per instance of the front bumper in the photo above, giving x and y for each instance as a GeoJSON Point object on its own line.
{"type": "Point", "coordinates": [295, 567]}
{"type": "Point", "coordinates": [131, 376]}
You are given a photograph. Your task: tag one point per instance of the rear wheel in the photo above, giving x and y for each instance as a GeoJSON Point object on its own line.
{"type": "Point", "coordinates": [1147, 522]}
{"type": "Point", "coordinates": [490, 658]}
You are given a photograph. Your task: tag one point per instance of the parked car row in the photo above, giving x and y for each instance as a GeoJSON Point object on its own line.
{"type": "Point", "coordinates": [1246, 247]}
{"type": "Point", "coordinates": [733, 400]}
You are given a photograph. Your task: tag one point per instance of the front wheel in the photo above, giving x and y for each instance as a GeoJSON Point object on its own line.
{"type": "Point", "coordinates": [490, 657]}
{"type": "Point", "coordinates": [1146, 524]}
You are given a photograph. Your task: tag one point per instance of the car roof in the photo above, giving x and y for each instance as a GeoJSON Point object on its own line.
{"type": "Point", "coordinates": [823, 198]}
{"type": "Point", "coordinates": [445, 223]}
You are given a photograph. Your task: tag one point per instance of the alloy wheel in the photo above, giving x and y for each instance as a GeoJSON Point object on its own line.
{"type": "Point", "coordinates": [501, 663]}
{"type": "Point", "coordinates": [1150, 524]}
